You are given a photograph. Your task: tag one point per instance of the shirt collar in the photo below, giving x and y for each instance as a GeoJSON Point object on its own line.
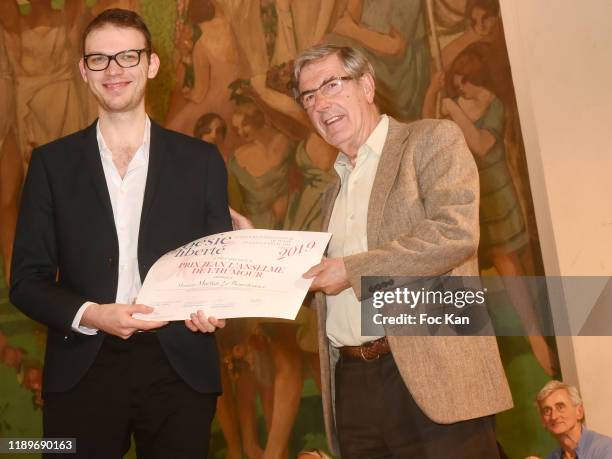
{"type": "Point", "coordinates": [373, 145]}
{"type": "Point", "coordinates": [144, 147]}
{"type": "Point", "coordinates": [585, 439]}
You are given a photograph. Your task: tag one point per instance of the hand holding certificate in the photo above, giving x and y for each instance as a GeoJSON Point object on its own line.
{"type": "Point", "coordinates": [246, 273]}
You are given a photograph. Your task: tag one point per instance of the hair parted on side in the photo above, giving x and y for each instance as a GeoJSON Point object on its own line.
{"type": "Point", "coordinates": [119, 18]}
{"type": "Point", "coordinates": [554, 385]}
{"type": "Point", "coordinates": [354, 61]}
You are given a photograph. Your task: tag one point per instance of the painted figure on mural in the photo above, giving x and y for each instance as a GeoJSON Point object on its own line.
{"type": "Point", "coordinates": [472, 103]}
{"type": "Point", "coordinates": [391, 34]}
{"type": "Point", "coordinates": [210, 63]}
{"type": "Point", "coordinates": [41, 55]}
{"type": "Point", "coordinates": [261, 167]}
{"type": "Point", "coordinates": [483, 24]}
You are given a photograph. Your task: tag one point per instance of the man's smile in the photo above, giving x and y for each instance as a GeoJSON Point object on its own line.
{"type": "Point", "coordinates": [333, 119]}
{"type": "Point", "coordinates": [116, 85]}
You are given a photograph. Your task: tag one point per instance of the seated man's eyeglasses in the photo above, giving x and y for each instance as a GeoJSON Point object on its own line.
{"type": "Point", "coordinates": [329, 87]}
{"type": "Point", "coordinates": [126, 59]}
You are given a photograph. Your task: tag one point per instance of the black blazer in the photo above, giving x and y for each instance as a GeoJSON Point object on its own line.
{"type": "Point", "coordinates": [66, 249]}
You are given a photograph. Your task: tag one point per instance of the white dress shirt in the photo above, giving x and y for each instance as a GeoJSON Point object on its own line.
{"type": "Point", "coordinates": [348, 225]}
{"type": "Point", "coordinates": [126, 195]}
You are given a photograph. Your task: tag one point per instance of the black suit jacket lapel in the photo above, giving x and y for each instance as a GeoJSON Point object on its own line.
{"type": "Point", "coordinates": [157, 152]}
{"type": "Point", "coordinates": [94, 167]}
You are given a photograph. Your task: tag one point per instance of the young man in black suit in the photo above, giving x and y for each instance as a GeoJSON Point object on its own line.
{"type": "Point", "coordinates": [99, 207]}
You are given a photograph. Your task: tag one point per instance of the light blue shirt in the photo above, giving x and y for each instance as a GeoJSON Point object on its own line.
{"type": "Point", "coordinates": [592, 445]}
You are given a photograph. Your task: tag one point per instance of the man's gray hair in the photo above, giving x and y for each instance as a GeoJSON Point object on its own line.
{"type": "Point", "coordinates": [354, 62]}
{"type": "Point", "coordinates": [554, 385]}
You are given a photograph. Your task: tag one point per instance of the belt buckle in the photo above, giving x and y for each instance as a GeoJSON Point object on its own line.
{"type": "Point", "coordinates": [364, 357]}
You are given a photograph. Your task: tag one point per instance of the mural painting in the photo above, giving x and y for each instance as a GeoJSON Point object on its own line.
{"type": "Point", "coordinates": [226, 78]}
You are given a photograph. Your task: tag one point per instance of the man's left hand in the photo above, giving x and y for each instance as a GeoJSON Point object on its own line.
{"type": "Point", "coordinates": [329, 276]}
{"type": "Point", "coordinates": [201, 323]}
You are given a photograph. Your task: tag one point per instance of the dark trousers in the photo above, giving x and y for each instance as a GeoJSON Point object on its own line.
{"type": "Point", "coordinates": [131, 389]}
{"type": "Point", "coordinates": [377, 418]}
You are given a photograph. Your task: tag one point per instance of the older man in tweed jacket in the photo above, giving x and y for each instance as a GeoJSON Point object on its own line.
{"type": "Point", "coordinates": [405, 203]}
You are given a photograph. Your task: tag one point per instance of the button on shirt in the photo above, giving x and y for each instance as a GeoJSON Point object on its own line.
{"type": "Point", "coordinates": [348, 225]}
{"type": "Point", "coordinates": [126, 195]}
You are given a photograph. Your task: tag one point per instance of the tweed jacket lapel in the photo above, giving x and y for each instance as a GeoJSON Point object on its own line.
{"type": "Point", "coordinates": [388, 168]}
{"type": "Point", "coordinates": [383, 181]}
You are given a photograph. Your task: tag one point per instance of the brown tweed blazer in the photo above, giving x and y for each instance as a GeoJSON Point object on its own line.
{"type": "Point", "coordinates": [423, 221]}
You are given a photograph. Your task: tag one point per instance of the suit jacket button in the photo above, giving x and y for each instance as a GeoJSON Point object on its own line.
{"type": "Point", "coordinates": [65, 337]}
{"type": "Point", "coordinates": [112, 262]}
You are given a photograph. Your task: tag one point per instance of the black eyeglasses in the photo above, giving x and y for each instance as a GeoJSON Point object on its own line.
{"type": "Point", "coordinates": [329, 87]}
{"type": "Point", "coordinates": [126, 59]}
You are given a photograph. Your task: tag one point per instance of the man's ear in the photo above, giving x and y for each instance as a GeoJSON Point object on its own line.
{"type": "Point", "coordinates": [580, 412]}
{"type": "Point", "coordinates": [154, 64]}
{"type": "Point", "coordinates": [369, 86]}
{"type": "Point", "coordinates": [82, 69]}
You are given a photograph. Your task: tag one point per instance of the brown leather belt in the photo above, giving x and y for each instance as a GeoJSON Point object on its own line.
{"type": "Point", "coordinates": [372, 350]}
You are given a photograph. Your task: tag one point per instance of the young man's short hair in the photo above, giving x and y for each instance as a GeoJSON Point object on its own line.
{"type": "Point", "coordinates": [119, 18]}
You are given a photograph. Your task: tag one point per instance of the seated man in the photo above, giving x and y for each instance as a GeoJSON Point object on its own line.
{"type": "Point", "coordinates": [562, 414]}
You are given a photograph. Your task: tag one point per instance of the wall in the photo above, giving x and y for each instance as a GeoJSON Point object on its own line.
{"type": "Point", "coordinates": [560, 57]}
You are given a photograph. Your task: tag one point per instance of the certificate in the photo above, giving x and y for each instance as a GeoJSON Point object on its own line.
{"type": "Point", "coordinates": [245, 273]}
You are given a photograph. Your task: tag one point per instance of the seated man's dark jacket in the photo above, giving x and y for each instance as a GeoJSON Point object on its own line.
{"type": "Point", "coordinates": [66, 250]}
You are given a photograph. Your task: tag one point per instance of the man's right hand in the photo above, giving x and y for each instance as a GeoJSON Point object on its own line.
{"type": "Point", "coordinates": [116, 319]}
{"type": "Point", "coordinates": [330, 276]}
